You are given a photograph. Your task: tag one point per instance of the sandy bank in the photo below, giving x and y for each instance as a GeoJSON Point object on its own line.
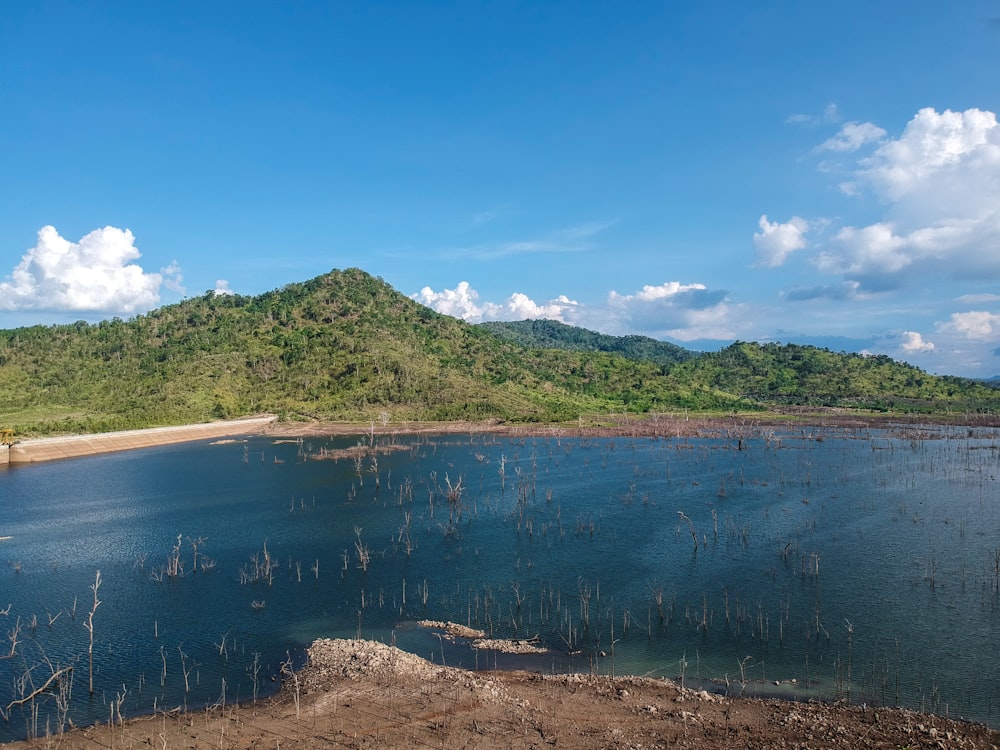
{"type": "Point", "coordinates": [71, 446]}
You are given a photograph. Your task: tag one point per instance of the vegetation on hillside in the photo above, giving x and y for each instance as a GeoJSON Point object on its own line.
{"type": "Point", "coordinates": [347, 346]}
{"type": "Point", "coordinates": [551, 334]}
{"type": "Point", "coordinates": [783, 374]}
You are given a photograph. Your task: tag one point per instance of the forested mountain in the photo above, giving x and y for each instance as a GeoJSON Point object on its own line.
{"type": "Point", "coordinates": [777, 374]}
{"type": "Point", "coordinates": [551, 334]}
{"type": "Point", "coordinates": [347, 346]}
{"type": "Point", "coordinates": [343, 346]}
{"type": "Point", "coordinates": [807, 375]}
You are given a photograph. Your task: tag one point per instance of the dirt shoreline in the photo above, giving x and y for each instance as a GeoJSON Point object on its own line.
{"type": "Point", "coordinates": [676, 425]}
{"type": "Point", "coordinates": [666, 425]}
{"type": "Point", "coordinates": [364, 694]}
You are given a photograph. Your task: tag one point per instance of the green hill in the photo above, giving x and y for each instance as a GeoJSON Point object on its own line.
{"type": "Point", "coordinates": [773, 374]}
{"type": "Point", "coordinates": [347, 346]}
{"type": "Point", "coordinates": [781, 374]}
{"type": "Point", "coordinates": [551, 334]}
{"type": "Point", "coordinates": [341, 346]}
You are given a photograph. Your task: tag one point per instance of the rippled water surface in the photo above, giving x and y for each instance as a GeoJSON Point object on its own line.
{"type": "Point", "coordinates": [862, 565]}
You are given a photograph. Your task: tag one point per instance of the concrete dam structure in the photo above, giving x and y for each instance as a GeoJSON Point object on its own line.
{"type": "Point", "coordinates": [72, 446]}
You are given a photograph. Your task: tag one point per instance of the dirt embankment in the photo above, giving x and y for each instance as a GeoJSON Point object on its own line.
{"type": "Point", "coordinates": [656, 425]}
{"type": "Point", "coordinates": [674, 425]}
{"type": "Point", "coordinates": [362, 694]}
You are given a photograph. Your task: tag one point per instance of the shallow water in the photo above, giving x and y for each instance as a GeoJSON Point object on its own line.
{"type": "Point", "coordinates": [861, 565]}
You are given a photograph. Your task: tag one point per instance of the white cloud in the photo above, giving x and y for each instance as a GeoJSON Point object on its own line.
{"type": "Point", "coordinates": [936, 147]}
{"type": "Point", "coordinates": [172, 277]}
{"type": "Point", "coordinates": [680, 311]}
{"type": "Point", "coordinates": [671, 290]}
{"type": "Point", "coordinates": [463, 302]}
{"type": "Point", "coordinates": [459, 302]}
{"type": "Point", "coordinates": [775, 242]}
{"type": "Point", "coordinates": [95, 274]}
{"type": "Point", "coordinates": [975, 325]}
{"type": "Point", "coordinates": [940, 184]}
{"type": "Point", "coordinates": [568, 240]}
{"type": "Point", "coordinates": [971, 341]}
{"type": "Point", "coordinates": [828, 115]}
{"type": "Point", "coordinates": [521, 307]}
{"type": "Point", "coordinates": [874, 249]}
{"type": "Point", "coordinates": [978, 299]}
{"type": "Point", "coordinates": [852, 136]}
{"type": "Point", "coordinates": [844, 290]}
{"type": "Point", "coordinates": [912, 343]}
{"type": "Point", "coordinates": [222, 288]}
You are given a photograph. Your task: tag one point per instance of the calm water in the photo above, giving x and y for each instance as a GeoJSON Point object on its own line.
{"type": "Point", "coordinates": [860, 565]}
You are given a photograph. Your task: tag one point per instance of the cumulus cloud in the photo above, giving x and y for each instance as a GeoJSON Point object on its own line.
{"type": "Point", "coordinates": [775, 241]}
{"type": "Point", "coordinates": [971, 341]}
{"type": "Point", "coordinates": [941, 179]}
{"type": "Point", "coordinates": [682, 311]}
{"type": "Point", "coordinates": [939, 182]}
{"type": "Point", "coordinates": [222, 288]}
{"type": "Point", "coordinates": [913, 343]}
{"type": "Point", "coordinates": [956, 147]}
{"type": "Point", "coordinates": [868, 251]}
{"type": "Point", "coordinates": [852, 136]}
{"type": "Point", "coordinates": [881, 254]}
{"type": "Point", "coordinates": [463, 302]}
{"type": "Point", "coordinates": [172, 277]}
{"type": "Point", "coordinates": [975, 325]}
{"type": "Point", "coordinates": [671, 291]}
{"type": "Point", "coordinates": [96, 274]}
{"type": "Point", "coordinates": [460, 302]}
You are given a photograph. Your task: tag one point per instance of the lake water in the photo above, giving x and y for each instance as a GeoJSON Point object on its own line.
{"type": "Point", "coordinates": [862, 565]}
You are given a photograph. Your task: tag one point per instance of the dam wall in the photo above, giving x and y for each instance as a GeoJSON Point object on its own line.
{"type": "Point", "coordinates": [72, 446]}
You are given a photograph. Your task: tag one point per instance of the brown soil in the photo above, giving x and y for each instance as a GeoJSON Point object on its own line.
{"type": "Point", "coordinates": [653, 425]}
{"type": "Point", "coordinates": [361, 694]}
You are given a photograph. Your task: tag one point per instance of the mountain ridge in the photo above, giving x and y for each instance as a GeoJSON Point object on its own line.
{"type": "Point", "coordinates": [347, 346]}
{"type": "Point", "coordinates": [557, 335]}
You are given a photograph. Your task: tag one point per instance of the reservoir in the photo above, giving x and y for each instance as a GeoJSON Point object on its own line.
{"type": "Point", "coordinates": [808, 562]}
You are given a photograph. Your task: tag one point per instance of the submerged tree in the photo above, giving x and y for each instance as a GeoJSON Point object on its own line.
{"type": "Point", "coordinates": [89, 625]}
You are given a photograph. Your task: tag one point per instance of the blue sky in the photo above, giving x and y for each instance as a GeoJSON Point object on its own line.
{"type": "Point", "coordinates": [823, 173]}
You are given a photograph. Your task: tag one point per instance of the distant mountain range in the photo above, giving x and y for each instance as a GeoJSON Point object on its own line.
{"type": "Point", "coordinates": [347, 346]}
